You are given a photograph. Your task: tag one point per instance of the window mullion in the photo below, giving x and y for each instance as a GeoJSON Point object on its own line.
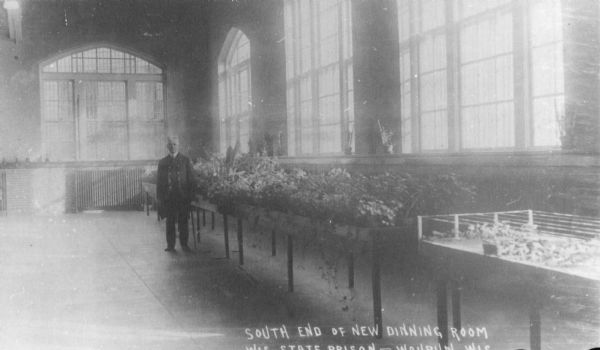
{"type": "Point", "coordinates": [131, 99]}
{"type": "Point", "coordinates": [414, 79]}
{"type": "Point", "coordinates": [453, 76]}
{"type": "Point", "coordinates": [314, 33]}
{"type": "Point", "coordinates": [521, 74]}
{"type": "Point", "coordinates": [342, 77]}
{"type": "Point", "coordinates": [296, 76]}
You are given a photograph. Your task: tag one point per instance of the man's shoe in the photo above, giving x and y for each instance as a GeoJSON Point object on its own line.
{"type": "Point", "coordinates": [186, 249]}
{"type": "Point", "coordinates": [168, 249]}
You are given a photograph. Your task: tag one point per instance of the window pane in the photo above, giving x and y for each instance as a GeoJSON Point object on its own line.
{"type": "Point", "coordinates": [58, 123]}
{"type": "Point", "coordinates": [244, 133]}
{"type": "Point", "coordinates": [306, 116]}
{"type": "Point", "coordinates": [103, 60]}
{"type": "Point", "coordinates": [546, 22]}
{"type": "Point", "coordinates": [547, 72]}
{"type": "Point", "coordinates": [107, 128]}
{"type": "Point", "coordinates": [118, 63]}
{"type": "Point", "coordinates": [149, 101]}
{"type": "Point", "coordinates": [433, 14]}
{"type": "Point", "coordinates": [322, 28]}
{"type": "Point", "coordinates": [58, 100]}
{"type": "Point", "coordinates": [147, 139]}
{"type": "Point", "coordinates": [235, 97]}
{"type": "Point", "coordinates": [77, 60]}
{"type": "Point", "coordinates": [64, 65]}
{"type": "Point", "coordinates": [405, 102]}
{"type": "Point", "coordinates": [473, 7]}
{"type": "Point", "coordinates": [103, 127]}
{"type": "Point", "coordinates": [52, 67]}
{"type": "Point", "coordinates": [146, 125]}
{"type": "Point", "coordinates": [111, 101]}
{"type": "Point", "coordinates": [487, 80]}
{"type": "Point", "coordinates": [90, 61]}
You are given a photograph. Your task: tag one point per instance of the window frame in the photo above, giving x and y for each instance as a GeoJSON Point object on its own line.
{"type": "Point", "coordinates": [300, 79]}
{"type": "Point", "coordinates": [522, 83]}
{"type": "Point", "coordinates": [77, 79]}
{"type": "Point", "coordinates": [229, 81]}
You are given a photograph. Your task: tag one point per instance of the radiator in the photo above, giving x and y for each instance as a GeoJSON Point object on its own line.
{"type": "Point", "coordinates": [106, 188]}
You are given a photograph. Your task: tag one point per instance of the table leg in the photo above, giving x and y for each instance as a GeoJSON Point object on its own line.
{"type": "Point", "coordinates": [198, 223]}
{"type": "Point", "coordinates": [240, 237]}
{"type": "Point", "coordinates": [376, 283]}
{"type": "Point", "coordinates": [193, 229]}
{"type": "Point", "coordinates": [290, 262]}
{"type": "Point", "coordinates": [351, 269]}
{"type": "Point", "coordinates": [442, 312]}
{"type": "Point", "coordinates": [535, 327]}
{"type": "Point", "coordinates": [226, 234]}
{"type": "Point", "coordinates": [273, 243]}
{"type": "Point", "coordinates": [456, 312]}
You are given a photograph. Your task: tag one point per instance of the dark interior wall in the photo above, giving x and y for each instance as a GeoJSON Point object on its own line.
{"type": "Point", "coordinates": [19, 118]}
{"type": "Point", "coordinates": [262, 22]}
{"type": "Point", "coordinates": [563, 183]}
{"type": "Point", "coordinates": [582, 75]}
{"type": "Point", "coordinates": [376, 71]}
{"type": "Point", "coordinates": [172, 34]}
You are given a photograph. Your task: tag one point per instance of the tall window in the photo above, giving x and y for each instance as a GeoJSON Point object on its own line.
{"type": "Point", "coordinates": [423, 67]}
{"type": "Point", "coordinates": [458, 74]}
{"type": "Point", "coordinates": [319, 75]}
{"type": "Point", "coordinates": [486, 74]}
{"type": "Point", "coordinates": [404, 31]}
{"type": "Point", "coordinates": [102, 104]}
{"type": "Point", "coordinates": [432, 72]}
{"type": "Point", "coordinates": [235, 98]}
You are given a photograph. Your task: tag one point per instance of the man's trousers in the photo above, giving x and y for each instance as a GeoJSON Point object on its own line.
{"type": "Point", "coordinates": [181, 217]}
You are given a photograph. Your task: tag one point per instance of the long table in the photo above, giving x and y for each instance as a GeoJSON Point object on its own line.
{"type": "Point", "coordinates": [456, 262]}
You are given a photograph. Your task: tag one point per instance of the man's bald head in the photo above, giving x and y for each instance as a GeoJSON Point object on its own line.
{"type": "Point", "coordinates": [173, 144]}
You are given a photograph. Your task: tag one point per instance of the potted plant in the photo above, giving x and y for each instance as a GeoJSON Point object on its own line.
{"type": "Point", "coordinates": [387, 138]}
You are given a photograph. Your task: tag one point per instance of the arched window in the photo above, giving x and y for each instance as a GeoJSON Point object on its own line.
{"type": "Point", "coordinates": [235, 95]}
{"type": "Point", "coordinates": [102, 103]}
{"type": "Point", "coordinates": [320, 98]}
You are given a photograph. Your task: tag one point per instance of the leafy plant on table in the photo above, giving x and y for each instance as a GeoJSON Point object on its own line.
{"type": "Point", "coordinates": [336, 196]}
{"type": "Point", "coordinates": [526, 243]}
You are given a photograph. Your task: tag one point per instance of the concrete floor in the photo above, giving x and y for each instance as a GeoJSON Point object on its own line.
{"type": "Point", "coordinates": [101, 280]}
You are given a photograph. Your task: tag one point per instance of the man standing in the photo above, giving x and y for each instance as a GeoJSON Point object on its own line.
{"type": "Point", "coordinates": [175, 190]}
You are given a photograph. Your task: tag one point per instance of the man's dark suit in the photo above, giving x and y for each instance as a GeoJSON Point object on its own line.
{"type": "Point", "coordinates": [175, 190]}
